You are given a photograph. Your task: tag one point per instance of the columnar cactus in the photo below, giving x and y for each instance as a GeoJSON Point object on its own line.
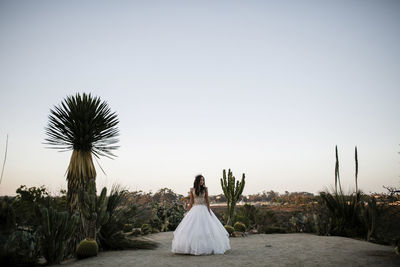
{"type": "Point", "coordinates": [93, 209]}
{"type": "Point", "coordinates": [232, 192]}
{"type": "Point", "coordinates": [55, 229]}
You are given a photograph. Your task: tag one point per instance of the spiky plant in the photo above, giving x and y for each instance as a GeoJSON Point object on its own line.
{"type": "Point", "coordinates": [111, 235]}
{"type": "Point", "coordinates": [55, 229]}
{"type": "Point", "coordinates": [85, 125]}
{"type": "Point", "coordinates": [345, 211]}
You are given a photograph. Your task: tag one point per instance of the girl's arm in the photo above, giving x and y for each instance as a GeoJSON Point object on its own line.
{"type": "Point", "coordinates": [191, 199]}
{"type": "Point", "coordinates": [207, 201]}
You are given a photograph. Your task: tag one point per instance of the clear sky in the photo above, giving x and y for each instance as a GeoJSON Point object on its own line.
{"type": "Point", "coordinates": [267, 88]}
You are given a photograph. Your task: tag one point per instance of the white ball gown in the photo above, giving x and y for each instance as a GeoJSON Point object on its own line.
{"type": "Point", "coordinates": [199, 232]}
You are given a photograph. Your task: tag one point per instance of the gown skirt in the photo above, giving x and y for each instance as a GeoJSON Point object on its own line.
{"type": "Point", "coordinates": [200, 233]}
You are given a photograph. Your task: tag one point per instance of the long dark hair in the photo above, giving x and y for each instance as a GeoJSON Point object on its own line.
{"type": "Point", "coordinates": [196, 185]}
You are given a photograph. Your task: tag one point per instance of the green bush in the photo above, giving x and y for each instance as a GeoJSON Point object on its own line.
{"type": "Point", "coordinates": [21, 248]}
{"type": "Point", "coordinates": [240, 218]}
{"type": "Point", "coordinates": [176, 213]}
{"type": "Point", "coordinates": [87, 248]}
{"type": "Point", "coordinates": [7, 216]}
{"type": "Point", "coordinates": [299, 223]}
{"type": "Point", "coordinates": [127, 227]}
{"type": "Point", "coordinates": [24, 203]}
{"type": "Point", "coordinates": [166, 216]}
{"type": "Point", "coordinates": [146, 229]}
{"type": "Point", "coordinates": [239, 226]}
{"type": "Point", "coordinates": [229, 229]}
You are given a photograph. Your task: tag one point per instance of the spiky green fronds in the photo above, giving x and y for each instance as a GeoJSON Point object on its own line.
{"type": "Point", "coordinates": [83, 122]}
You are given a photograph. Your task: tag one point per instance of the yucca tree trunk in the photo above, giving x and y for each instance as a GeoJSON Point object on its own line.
{"type": "Point", "coordinates": [80, 171]}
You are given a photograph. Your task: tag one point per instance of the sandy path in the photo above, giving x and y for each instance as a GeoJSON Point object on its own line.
{"type": "Point", "coordinates": [257, 250]}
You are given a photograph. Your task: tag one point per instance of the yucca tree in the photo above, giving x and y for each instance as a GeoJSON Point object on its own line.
{"type": "Point", "coordinates": [84, 124]}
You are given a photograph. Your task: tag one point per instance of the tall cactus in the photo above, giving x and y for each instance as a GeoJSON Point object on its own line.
{"type": "Point", "coordinates": [93, 209]}
{"type": "Point", "coordinates": [232, 192]}
{"type": "Point", "coordinates": [55, 229]}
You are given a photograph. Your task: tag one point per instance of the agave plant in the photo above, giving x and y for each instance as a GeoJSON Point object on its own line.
{"type": "Point", "coordinates": [85, 125]}
{"type": "Point", "coordinates": [111, 235]}
{"type": "Point", "coordinates": [347, 213]}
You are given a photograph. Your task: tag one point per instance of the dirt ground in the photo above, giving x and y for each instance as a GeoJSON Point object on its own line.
{"type": "Point", "coordinates": [257, 250]}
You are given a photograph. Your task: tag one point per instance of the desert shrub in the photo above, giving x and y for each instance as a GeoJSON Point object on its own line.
{"type": "Point", "coordinates": [265, 218]}
{"type": "Point", "coordinates": [87, 248]}
{"type": "Point", "coordinates": [352, 215]}
{"type": "Point", "coordinates": [111, 235]}
{"type": "Point", "coordinates": [25, 201]}
{"type": "Point", "coordinates": [300, 222]}
{"type": "Point", "coordinates": [240, 218]}
{"type": "Point", "coordinates": [229, 229]}
{"type": "Point", "coordinates": [141, 212]}
{"type": "Point", "coordinates": [166, 216]}
{"type": "Point", "coordinates": [247, 214]}
{"type": "Point", "coordinates": [21, 248]}
{"type": "Point", "coordinates": [175, 215]}
{"type": "Point", "coordinates": [7, 216]}
{"type": "Point", "coordinates": [239, 226]}
{"type": "Point", "coordinates": [321, 220]}
{"type": "Point", "coordinates": [344, 212]}
{"type": "Point", "coordinates": [55, 230]}
{"type": "Point", "coordinates": [159, 218]}
{"type": "Point", "coordinates": [387, 230]}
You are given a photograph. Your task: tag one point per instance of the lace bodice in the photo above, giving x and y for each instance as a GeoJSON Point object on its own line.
{"type": "Point", "coordinates": [200, 199]}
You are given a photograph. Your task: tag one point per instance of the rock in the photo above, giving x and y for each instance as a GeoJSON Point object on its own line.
{"type": "Point", "coordinates": [237, 234]}
{"type": "Point", "coordinates": [253, 232]}
{"type": "Point", "coordinates": [135, 232]}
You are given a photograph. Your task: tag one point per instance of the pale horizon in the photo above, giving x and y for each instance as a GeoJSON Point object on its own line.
{"type": "Point", "coordinates": [263, 88]}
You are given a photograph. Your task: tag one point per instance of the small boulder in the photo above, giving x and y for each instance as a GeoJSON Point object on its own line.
{"type": "Point", "coordinates": [237, 234]}
{"type": "Point", "coordinates": [136, 232]}
{"type": "Point", "coordinates": [253, 232]}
